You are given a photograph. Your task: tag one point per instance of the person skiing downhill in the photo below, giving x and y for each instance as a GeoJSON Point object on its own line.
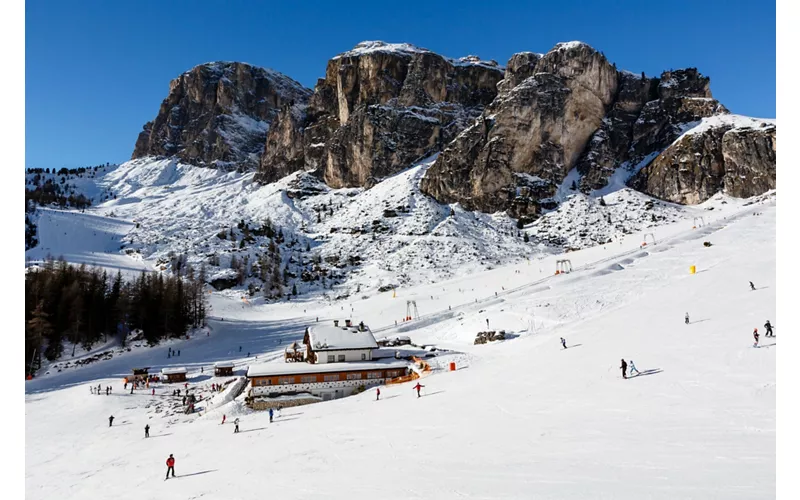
{"type": "Point", "coordinates": [752, 286]}
{"type": "Point", "coordinates": [378, 394]}
{"type": "Point", "coordinates": [624, 367]}
{"type": "Point", "coordinates": [633, 367]}
{"type": "Point", "coordinates": [170, 466]}
{"type": "Point", "coordinates": [270, 415]}
{"type": "Point", "coordinates": [236, 423]}
{"type": "Point", "coordinates": [147, 431]}
{"type": "Point", "coordinates": [755, 336]}
{"type": "Point", "coordinates": [223, 419]}
{"type": "Point", "coordinates": [687, 318]}
{"type": "Point", "coordinates": [768, 326]}
{"type": "Point", "coordinates": [563, 342]}
{"type": "Point", "coordinates": [417, 387]}
{"type": "Point", "coordinates": [110, 420]}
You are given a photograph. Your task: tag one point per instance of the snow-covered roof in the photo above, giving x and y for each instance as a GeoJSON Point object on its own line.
{"type": "Point", "coordinates": [277, 369]}
{"type": "Point", "coordinates": [173, 371]}
{"type": "Point", "coordinates": [330, 338]}
{"type": "Point", "coordinates": [224, 364]}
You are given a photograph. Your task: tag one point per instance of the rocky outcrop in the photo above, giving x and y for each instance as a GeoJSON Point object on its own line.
{"type": "Point", "coordinates": [218, 114]}
{"type": "Point", "coordinates": [570, 108]}
{"type": "Point", "coordinates": [732, 154]}
{"type": "Point", "coordinates": [380, 108]}
{"type": "Point", "coordinates": [529, 138]}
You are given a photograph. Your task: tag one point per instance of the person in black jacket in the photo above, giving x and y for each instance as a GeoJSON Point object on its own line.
{"type": "Point", "coordinates": [147, 431]}
{"type": "Point", "coordinates": [768, 326]}
{"type": "Point", "coordinates": [624, 367]}
{"type": "Point", "coordinates": [110, 420]}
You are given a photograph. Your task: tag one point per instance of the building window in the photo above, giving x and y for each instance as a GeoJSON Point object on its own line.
{"type": "Point", "coordinates": [332, 378]}
{"type": "Point", "coordinates": [363, 357]}
{"type": "Point", "coordinates": [353, 376]}
{"type": "Point", "coordinates": [341, 358]}
{"type": "Point", "coordinates": [374, 374]}
{"type": "Point", "coordinates": [308, 379]}
{"type": "Point", "coordinates": [392, 373]}
{"type": "Point", "coordinates": [286, 380]}
{"type": "Point", "coordinates": [331, 358]}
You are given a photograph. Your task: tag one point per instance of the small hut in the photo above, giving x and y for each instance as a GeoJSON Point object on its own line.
{"type": "Point", "coordinates": [174, 374]}
{"type": "Point", "coordinates": [140, 373]}
{"type": "Point", "coordinates": [223, 368]}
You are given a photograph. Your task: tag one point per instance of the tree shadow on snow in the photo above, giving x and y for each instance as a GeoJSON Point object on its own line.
{"type": "Point", "coordinates": [652, 371]}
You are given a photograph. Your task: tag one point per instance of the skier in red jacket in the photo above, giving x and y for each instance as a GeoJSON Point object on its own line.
{"type": "Point", "coordinates": [378, 394]}
{"type": "Point", "coordinates": [170, 466]}
{"type": "Point", "coordinates": [418, 387]}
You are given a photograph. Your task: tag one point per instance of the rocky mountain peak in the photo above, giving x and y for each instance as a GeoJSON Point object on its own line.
{"type": "Point", "coordinates": [217, 114]}
{"type": "Point", "coordinates": [380, 107]}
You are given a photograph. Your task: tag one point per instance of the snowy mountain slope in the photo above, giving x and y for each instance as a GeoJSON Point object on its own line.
{"type": "Point", "coordinates": [389, 234]}
{"type": "Point", "coordinates": [84, 238]}
{"type": "Point", "coordinates": [549, 423]}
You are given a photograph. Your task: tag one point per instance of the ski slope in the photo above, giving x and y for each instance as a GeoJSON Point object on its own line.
{"type": "Point", "coordinates": [521, 418]}
{"type": "Point", "coordinates": [84, 238]}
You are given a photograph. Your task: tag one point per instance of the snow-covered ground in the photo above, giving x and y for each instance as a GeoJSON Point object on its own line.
{"type": "Point", "coordinates": [521, 418]}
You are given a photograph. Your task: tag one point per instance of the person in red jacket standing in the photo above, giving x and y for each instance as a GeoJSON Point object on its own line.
{"type": "Point", "coordinates": [378, 394]}
{"type": "Point", "coordinates": [418, 387]}
{"type": "Point", "coordinates": [170, 466]}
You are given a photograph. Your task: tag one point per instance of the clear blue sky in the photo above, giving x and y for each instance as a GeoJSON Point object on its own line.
{"type": "Point", "coordinates": [96, 71]}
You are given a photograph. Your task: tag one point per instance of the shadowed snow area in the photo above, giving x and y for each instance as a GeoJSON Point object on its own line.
{"type": "Point", "coordinates": [519, 418]}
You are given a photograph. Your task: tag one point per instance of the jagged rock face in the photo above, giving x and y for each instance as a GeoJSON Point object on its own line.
{"type": "Point", "coordinates": [647, 115]}
{"type": "Point", "coordinates": [750, 161]}
{"type": "Point", "coordinates": [521, 66]}
{"type": "Point", "coordinates": [218, 114]}
{"type": "Point", "coordinates": [381, 107]}
{"type": "Point", "coordinates": [529, 137]}
{"type": "Point", "coordinates": [725, 156]}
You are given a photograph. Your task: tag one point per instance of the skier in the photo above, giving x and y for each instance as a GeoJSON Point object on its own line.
{"type": "Point", "coordinates": [201, 369]}
{"type": "Point", "coordinates": [755, 336]}
{"type": "Point", "coordinates": [687, 318]}
{"type": "Point", "coordinates": [154, 391]}
{"type": "Point", "coordinates": [378, 394]}
{"type": "Point", "coordinates": [236, 423]}
{"type": "Point", "coordinates": [126, 386]}
{"type": "Point", "coordinates": [110, 420]}
{"type": "Point", "coordinates": [768, 326]}
{"type": "Point", "coordinates": [223, 419]}
{"type": "Point", "coordinates": [417, 387]}
{"type": "Point", "coordinates": [248, 354]}
{"type": "Point", "coordinates": [170, 466]}
{"type": "Point", "coordinates": [147, 431]}
{"type": "Point", "coordinates": [179, 352]}
{"type": "Point", "coordinates": [563, 342]}
{"type": "Point", "coordinates": [131, 388]}
{"type": "Point", "coordinates": [487, 322]}
{"type": "Point", "coordinates": [633, 368]}
{"type": "Point", "coordinates": [624, 367]}
{"type": "Point", "coordinates": [270, 415]}
{"type": "Point", "coordinates": [186, 386]}
{"type": "Point", "coordinates": [108, 390]}
{"type": "Point", "coordinates": [752, 286]}
{"type": "Point", "coordinates": [240, 348]}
